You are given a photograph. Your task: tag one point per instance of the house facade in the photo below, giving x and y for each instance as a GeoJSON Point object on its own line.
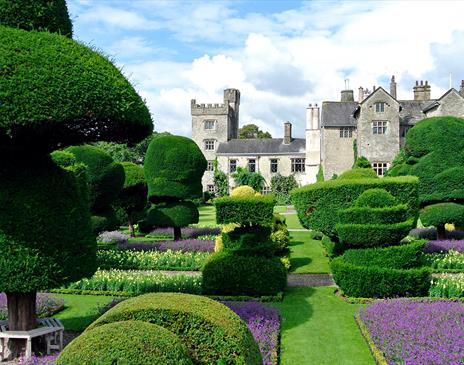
{"type": "Point", "coordinates": [374, 126]}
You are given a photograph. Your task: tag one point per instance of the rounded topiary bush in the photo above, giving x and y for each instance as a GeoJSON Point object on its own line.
{"type": "Point", "coordinates": [442, 213]}
{"type": "Point", "coordinates": [358, 173]}
{"type": "Point", "coordinates": [229, 274]}
{"type": "Point", "coordinates": [375, 198]}
{"type": "Point", "coordinates": [243, 191]}
{"type": "Point", "coordinates": [126, 342]}
{"type": "Point", "coordinates": [179, 214]}
{"type": "Point", "coordinates": [64, 94]}
{"type": "Point", "coordinates": [212, 333]}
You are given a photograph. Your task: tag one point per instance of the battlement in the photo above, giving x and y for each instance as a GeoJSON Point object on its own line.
{"type": "Point", "coordinates": [209, 109]}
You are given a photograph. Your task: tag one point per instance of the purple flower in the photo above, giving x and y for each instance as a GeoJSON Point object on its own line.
{"type": "Point", "coordinates": [188, 232]}
{"type": "Point", "coordinates": [264, 324]}
{"type": "Point", "coordinates": [417, 332]}
{"type": "Point", "coordinates": [38, 360]}
{"type": "Point", "coordinates": [187, 245]}
{"type": "Point", "coordinates": [444, 246]}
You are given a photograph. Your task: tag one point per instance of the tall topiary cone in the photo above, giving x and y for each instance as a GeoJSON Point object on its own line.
{"type": "Point", "coordinates": [174, 166]}
{"type": "Point", "coordinates": [54, 93]}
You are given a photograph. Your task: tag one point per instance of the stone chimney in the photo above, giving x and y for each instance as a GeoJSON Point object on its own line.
{"type": "Point", "coordinates": [287, 133]}
{"type": "Point", "coordinates": [315, 118]}
{"type": "Point", "coordinates": [347, 95]}
{"type": "Point", "coordinates": [393, 87]}
{"type": "Point", "coordinates": [461, 90]}
{"type": "Point", "coordinates": [360, 94]}
{"type": "Point", "coordinates": [422, 91]}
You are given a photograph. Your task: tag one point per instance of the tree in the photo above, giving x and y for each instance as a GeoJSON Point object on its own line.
{"type": "Point", "coordinates": [244, 177]}
{"type": "Point", "coordinates": [55, 93]}
{"type": "Point", "coordinates": [249, 131]}
{"type": "Point", "coordinates": [174, 166]}
{"type": "Point", "coordinates": [133, 197]}
{"type": "Point", "coordinates": [221, 181]}
{"type": "Point", "coordinates": [281, 187]}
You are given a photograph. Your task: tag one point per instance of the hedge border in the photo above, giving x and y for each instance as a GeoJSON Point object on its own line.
{"type": "Point", "coordinates": [377, 354]}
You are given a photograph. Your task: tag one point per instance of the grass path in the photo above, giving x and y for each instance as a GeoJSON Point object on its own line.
{"type": "Point", "coordinates": [306, 255]}
{"type": "Point", "coordinates": [318, 328]}
{"type": "Point", "coordinates": [207, 215]}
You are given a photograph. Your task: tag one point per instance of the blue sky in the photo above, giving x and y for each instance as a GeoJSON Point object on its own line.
{"type": "Point", "coordinates": [282, 55]}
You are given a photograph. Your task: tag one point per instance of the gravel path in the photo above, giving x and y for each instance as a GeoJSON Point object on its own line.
{"type": "Point", "coordinates": [310, 280]}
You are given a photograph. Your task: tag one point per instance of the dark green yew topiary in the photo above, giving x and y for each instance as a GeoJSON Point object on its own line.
{"type": "Point", "coordinates": [178, 215]}
{"type": "Point", "coordinates": [439, 214]}
{"type": "Point", "coordinates": [126, 342]}
{"type": "Point", "coordinates": [56, 92]}
{"type": "Point", "coordinates": [375, 198]}
{"type": "Point", "coordinates": [42, 15]}
{"type": "Point", "coordinates": [358, 173]}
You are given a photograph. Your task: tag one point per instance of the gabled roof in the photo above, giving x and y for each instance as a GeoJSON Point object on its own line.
{"type": "Point", "coordinates": [375, 91]}
{"type": "Point", "coordinates": [268, 146]}
{"type": "Point", "coordinates": [338, 114]}
{"type": "Point", "coordinates": [437, 103]}
{"type": "Point", "coordinates": [411, 111]}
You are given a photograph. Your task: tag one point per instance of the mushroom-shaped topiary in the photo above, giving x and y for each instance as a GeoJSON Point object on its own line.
{"type": "Point", "coordinates": [440, 214]}
{"type": "Point", "coordinates": [174, 166]}
{"type": "Point", "coordinates": [243, 191]}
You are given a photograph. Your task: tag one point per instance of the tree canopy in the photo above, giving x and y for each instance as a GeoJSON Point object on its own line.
{"type": "Point", "coordinates": [249, 131]}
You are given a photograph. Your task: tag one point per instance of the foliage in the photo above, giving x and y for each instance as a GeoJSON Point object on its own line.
{"type": "Point", "coordinates": [228, 274]}
{"type": "Point", "coordinates": [51, 15]}
{"type": "Point", "coordinates": [46, 305]}
{"type": "Point", "coordinates": [221, 181]}
{"type": "Point", "coordinates": [375, 198]}
{"type": "Point", "coordinates": [150, 260]}
{"type": "Point", "coordinates": [317, 203]}
{"type": "Point", "coordinates": [212, 332]}
{"type": "Point", "coordinates": [281, 187]}
{"type": "Point", "coordinates": [252, 131]}
{"type": "Point", "coordinates": [441, 213]}
{"type": "Point", "coordinates": [139, 282]}
{"type": "Point", "coordinates": [244, 177]}
{"type": "Point", "coordinates": [252, 210]}
{"type": "Point", "coordinates": [178, 214]}
{"type": "Point", "coordinates": [355, 150]}
{"type": "Point", "coordinates": [362, 162]}
{"type": "Point", "coordinates": [264, 324]}
{"type": "Point", "coordinates": [416, 331]}
{"type": "Point", "coordinates": [82, 95]}
{"type": "Point", "coordinates": [45, 234]}
{"type": "Point", "coordinates": [452, 260]}
{"type": "Point", "coordinates": [126, 342]}
{"type": "Point", "coordinates": [358, 173]}
{"type": "Point", "coordinates": [243, 191]}
{"type": "Point", "coordinates": [434, 151]}
{"type": "Point", "coordinates": [382, 272]}
{"type": "Point", "coordinates": [320, 174]}
{"type": "Point", "coordinates": [448, 286]}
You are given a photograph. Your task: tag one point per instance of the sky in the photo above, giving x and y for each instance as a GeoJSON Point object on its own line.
{"type": "Point", "coordinates": [281, 55]}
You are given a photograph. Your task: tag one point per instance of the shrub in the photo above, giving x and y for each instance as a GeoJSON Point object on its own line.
{"type": "Point", "coordinates": [212, 333]}
{"type": "Point", "coordinates": [316, 204]}
{"type": "Point", "coordinates": [112, 238]}
{"type": "Point", "coordinates": [243, 191]}
{"type": "Point", "coordinates": [375, 198]}
{"type": "Point", "coordinates": [105, 221]}
{"type": "Point", "coordinates": [126, 342]}
{"type": "Point", "coordinates": [226, 274]}
{"type": "Point", "coordinates": [382, 272]}
{"type": "Point", "coordinates": [281, 187]}
{"type": "Point", "coordinates": [397, 213]}
{"type": "Point", "coordinates": [441, 213]}
{"type": "Point", "coordinates": [252, 210]}
{"type": "Point", "coordinates": [179, 214]}
{"type": "Point", "coordinates": [281, 240]}
{"type": "Point", "coordinates": [362, 162]}
{"type": "Point", "coordinates": [253, 179]}
{"type": "Point", "coordinates": [358, 173]}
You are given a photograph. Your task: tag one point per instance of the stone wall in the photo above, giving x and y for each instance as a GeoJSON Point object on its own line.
{"type": "Point", "coordinates": [451, 104]}
{"type": "Point", "coordinates": [337, 153]}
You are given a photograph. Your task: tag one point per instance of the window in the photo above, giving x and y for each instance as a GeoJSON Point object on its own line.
{"type": "Point", "coordinates": [346, 132]}
{"type": "Point", "coordinates": [252, 165]}
{"type": "Point", "coordinates": [211, 188]}
{"type": "Point", "coordinates": [380, 168]}
{"type": "Point", "coordinates": [210, 166]}
{"type": "Point", "coordinates": [209, 144]}
{"type": "Point", "coordinates": [298, 165]}
{"type": "Point", "coordinates": [266, 190]}
{"type": "Point", "coordinates": [232, 166]}
{"type": "Point", "coordinates": [379, 107]}
{"type": "Point", "coordinates": [273, 165]}
{"type": "Point", "coordinates": [210, 124]}
{"type": "Point", "coordinates": [379, 127]}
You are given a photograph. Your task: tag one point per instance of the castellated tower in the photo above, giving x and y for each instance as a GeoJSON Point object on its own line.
{"type": "Point", "coordinates": [213, 124]}
{"type": "Point", "coordinates": [313, 143]}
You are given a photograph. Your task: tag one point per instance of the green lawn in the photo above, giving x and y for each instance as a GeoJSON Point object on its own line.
{"type": "Point", "coordinates": [81, 310]}
{"type": "Point", "coordinates": [207, 215]}
{"type": "Point", "coordinates": [293, 222]}
{"type": "Point", "coordinates": [319, 328]}
{"type": "Point", "coordinates": [306, 255]}
{"type": "Point", "coordinates": [280, 209]}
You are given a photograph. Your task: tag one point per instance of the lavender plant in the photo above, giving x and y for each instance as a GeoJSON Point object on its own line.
{"type": "Point", "coordinates": [112, 237]}
{"type": "Point", "coordinates": [444, 246]}
{"type": "Point", "coordinates": [187, 245]}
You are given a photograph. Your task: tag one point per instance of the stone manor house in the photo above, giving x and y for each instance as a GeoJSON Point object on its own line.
{"type": "Point", "coordinates": [376, 123]}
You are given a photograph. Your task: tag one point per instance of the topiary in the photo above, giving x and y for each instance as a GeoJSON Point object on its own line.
{"type": "Point", "coordinates": [440, 214]}
{"type": "Point", "coordinates": [126, 342]}
{"type": "Point", "coordinates": [358, 173]}
{"type": "Point", "coordinates": [174, 166]}
{"type": "Point", "coordinates": [243, 191]}
{"type": "Point", "coordinates": [375, 198]}
{"type": "Point", "coordinates": [212, 333]}
{"type": "Point", "coordinates": [42, 15]}
{"type": "Point", "coordinates": [362, 162]}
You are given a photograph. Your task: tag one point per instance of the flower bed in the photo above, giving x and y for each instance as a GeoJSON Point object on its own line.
{"type": "Point", "coordinates": [46, 305]}
{"type": "Point", "coordinates": [444, 246]}
{"type": "Point", "coordinates": [150, 260]}
{"type": "Point", "coordinates": [416, 332]}
{"type": "Point", "coordinates": [188, 245]}
{"type": "Point", "coordinates": [187, 232]}
{"type": "Point", "coordinates": [447, 286]}
{"type": "Point", "coordinates": [37, 360]}
{"type": "Point", "coordinates": [264, 324]}
{"type": "Point", "coordinates": [139, 282]}
{"type": "Point", "coordinates": [451, 260]}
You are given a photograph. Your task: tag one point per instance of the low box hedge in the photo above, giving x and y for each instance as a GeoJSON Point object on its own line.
{"type": "Point", "coordinates": [126, 342]}
{"type": "Point", "coordinates": [258, 210]}
{"type": "Point", "coordinates": [212, 333]}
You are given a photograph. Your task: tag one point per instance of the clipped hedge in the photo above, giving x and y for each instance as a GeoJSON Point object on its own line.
{"type": "Point", "coordinates": [212, 333]}
{"type": "Point", "coordinates": [257, 210]}
{"type": "Point", "coordinates": [398, 213]}
{"type": "Point", "coordinates": [442, 213]}
{"type": "Point", "coordinates": [179, 214]}
{"type": "Point", "coordinates": [382, 272]}
{"type": "Point", "coordinates": [375, 198]}
{"type": "Point", "coordinates": [126, 342]}
{"type": "Point", "coordinates": [228, 274]}
{"type": "Point", "coordinates": [358, 173]}
{"type": "Point", "coordinates": [318, 203]}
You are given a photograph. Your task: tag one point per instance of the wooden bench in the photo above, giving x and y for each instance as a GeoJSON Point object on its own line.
{"type": "Point", "coordinates": [51, 328]}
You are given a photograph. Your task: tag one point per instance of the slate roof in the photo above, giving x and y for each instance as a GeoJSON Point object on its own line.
{"type": "Point", "coordinates": [412, 110]}
{"type": "Point", "coordinates": [271, 146]}
{"type": "Point", "coordinates": [338, 114]}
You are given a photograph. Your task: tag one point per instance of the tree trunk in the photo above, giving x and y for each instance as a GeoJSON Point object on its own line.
{"type": "Point", "coordinates": [21, 317]}
{"type": "Point", "coordinates": [441, 232]}
{"type": "Point", "coordinates": [177, 234]}
{"type": "Point", "coordinates": [131, 226]}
